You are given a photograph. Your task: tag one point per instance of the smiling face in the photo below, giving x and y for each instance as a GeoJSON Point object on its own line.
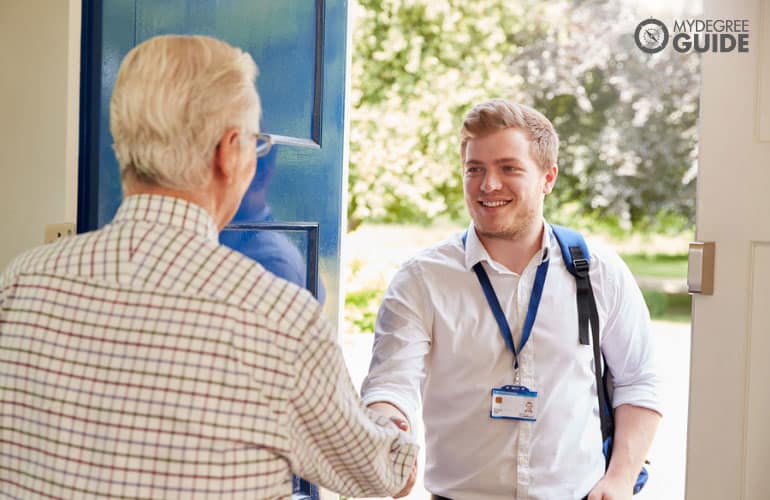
{"type": "Point", "coordinates": [504, 187]}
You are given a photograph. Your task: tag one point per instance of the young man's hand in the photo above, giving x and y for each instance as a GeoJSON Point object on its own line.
{"type": "Point", "coordinates": [393, 413]}
{"type": "Point", "coordinates": [609, 488]}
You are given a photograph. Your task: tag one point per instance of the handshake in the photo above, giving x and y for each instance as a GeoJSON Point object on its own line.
{"type": "Point", "coordinates": [398, 418]}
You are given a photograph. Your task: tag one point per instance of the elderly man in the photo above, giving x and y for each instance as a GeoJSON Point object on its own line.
{"type": "Point", "coordinates": [439, 342]}
{"type": "Point", "coordinates": [145, 359]}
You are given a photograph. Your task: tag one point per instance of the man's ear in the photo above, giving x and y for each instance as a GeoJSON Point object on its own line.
{"type": "Point", "coordinates": [227, 155]}
{"type": "Point", "coordinates": [550, 178]}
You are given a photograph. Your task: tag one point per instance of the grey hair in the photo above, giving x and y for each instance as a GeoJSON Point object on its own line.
{"type": "Point", "coordinates": [174, 98]}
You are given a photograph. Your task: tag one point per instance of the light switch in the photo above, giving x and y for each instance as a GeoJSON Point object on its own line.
{"type": "Point", "coordinates": [700, 268]}
{"type": "Point", "coordinates": [55, 232]}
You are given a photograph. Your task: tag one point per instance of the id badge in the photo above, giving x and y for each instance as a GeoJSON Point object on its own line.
{"type": "Point", "coordinates": [514, 402]}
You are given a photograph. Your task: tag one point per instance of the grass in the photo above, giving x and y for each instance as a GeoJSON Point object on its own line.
{"type": "Point", "coordinates": [662, 306]}
{"type": "Point", "coordinates": [361, 308]}
{"type": "Point", "coordinates": [668, 306]}
{"type": "Point", "coordinates": [657, 265]}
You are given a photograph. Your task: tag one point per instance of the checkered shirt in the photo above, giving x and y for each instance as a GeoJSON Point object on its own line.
{"type": "Point", "coordinates": [145, 360]}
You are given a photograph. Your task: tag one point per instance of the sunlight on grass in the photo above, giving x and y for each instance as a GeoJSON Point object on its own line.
{"type": "Point", "coordinates": [657, 265]}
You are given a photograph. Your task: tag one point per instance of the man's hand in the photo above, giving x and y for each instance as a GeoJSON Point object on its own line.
{"type": "Point", "coordinates": [409, 482]}
{"type": "Point", "coordinates": [634, 429]}
{"type": "Point", "coordinates": [398, 418]}
{"type": "Point", "coordinates": [400, 423]}
{"type": "Point", "coordinates": [391, 412]}
{"type": "Point", "coordinates": [611, 488]}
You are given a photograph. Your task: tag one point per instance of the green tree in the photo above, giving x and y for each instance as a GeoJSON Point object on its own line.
{"type": "Point", "coordinates": [417, 67]}
{"type": "Point", "coordinates": [626, 119]}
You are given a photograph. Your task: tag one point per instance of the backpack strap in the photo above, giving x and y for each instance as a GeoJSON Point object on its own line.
{"type": "Point", "coordinates": [578, 259]}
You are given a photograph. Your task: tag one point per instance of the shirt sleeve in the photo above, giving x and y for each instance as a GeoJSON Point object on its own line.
{"type": "Point", "coordinates": [627, 342]}
{"type": "Point", "coordinates": [335, 441]}
{"type": "Point", "coordinates": [401, 343]}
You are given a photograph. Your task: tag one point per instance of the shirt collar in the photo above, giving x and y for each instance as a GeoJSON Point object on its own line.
{"type": "Point", "coordinates": [169, 211]}
{"type": "Point", "coordinates": [476, 252]}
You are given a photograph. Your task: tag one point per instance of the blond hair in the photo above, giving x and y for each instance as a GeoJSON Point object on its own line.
{"type": "Point", "coordinates": [499, 114]}
{"type": "Point", "coordinates": [174, 98]}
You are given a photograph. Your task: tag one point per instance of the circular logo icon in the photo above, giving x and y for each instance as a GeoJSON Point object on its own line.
{"type": "Point", "coordinates": [651, 36]}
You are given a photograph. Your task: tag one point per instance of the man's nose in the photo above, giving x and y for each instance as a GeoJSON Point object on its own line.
{"type": "Point", "coordinates": [491, 181]}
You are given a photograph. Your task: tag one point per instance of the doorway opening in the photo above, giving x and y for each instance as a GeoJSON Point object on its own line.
{"type": "Point", "coordinates": [627, 122]}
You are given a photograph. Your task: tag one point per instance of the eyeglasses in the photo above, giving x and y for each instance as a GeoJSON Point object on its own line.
{"type": "Point", "coordinates": [264, 143]}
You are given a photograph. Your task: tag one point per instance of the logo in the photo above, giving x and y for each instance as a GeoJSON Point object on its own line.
{"type": "Point", "coordinates": [694, 35]}
{"type": "Point", "coordinates": [651, 36]}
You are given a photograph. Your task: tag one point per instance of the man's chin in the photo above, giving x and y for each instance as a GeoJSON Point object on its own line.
{"type": "Point", "coordinates": [510, 229]}
{"type": "Point", "coordinates": [498, 233]}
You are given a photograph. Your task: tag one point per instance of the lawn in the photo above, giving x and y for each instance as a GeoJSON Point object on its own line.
{"type": "Point", "coordinates": [657, 265]}
{"type": "Point", "coordinates": [662, 305]}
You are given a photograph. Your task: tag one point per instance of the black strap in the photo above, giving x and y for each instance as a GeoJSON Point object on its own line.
{"type": "Point", "coordinates": [605, 410]}
{"type": "Point", "coordinates": [584, 292]}
{"type": "Point", "coordinates": [587, 311]}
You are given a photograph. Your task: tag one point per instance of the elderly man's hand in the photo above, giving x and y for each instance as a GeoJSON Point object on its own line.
{"type": "Point", "coordinates": [398, 418]}
{"type": "Point", "coordinates": [409, 483]}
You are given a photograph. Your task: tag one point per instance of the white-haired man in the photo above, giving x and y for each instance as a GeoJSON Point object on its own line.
{"type": "Point", "coordinates": [439, 342]}
{"type": "Point", "coordinates": [145, 359]}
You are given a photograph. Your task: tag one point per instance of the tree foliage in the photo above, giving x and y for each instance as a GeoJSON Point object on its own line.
{"type": "Point", "coordinates": [626, 120]}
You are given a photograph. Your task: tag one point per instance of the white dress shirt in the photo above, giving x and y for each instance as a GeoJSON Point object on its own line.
{"type": "Point", "coordinates": [436, 340]}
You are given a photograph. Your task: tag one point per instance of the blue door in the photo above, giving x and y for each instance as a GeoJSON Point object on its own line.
{"type": "Point", "coordinates": [291, 217]}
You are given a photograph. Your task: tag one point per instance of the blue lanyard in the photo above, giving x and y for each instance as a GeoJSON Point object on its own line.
{"type": "Point", "coordinates": [497, 311]}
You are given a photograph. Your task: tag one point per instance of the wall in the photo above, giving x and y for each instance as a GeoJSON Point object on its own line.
{"type": "Point", "coordinates": [39, 82]}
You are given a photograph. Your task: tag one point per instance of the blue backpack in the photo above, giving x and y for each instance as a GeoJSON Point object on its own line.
{"type": "Point", "coordinates": [578, 259]}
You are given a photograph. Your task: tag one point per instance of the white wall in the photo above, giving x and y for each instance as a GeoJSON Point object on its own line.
{"type": "Point", "coordinates": [39, 82]}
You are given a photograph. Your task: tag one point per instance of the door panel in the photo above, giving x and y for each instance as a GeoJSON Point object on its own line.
{"type": "Point", "coordinates": [285, 52]}
{"type": "Point", "coordinates": [299, 46]}
{"type": "Point", "coordinates": [729, 412]}
{"type": "Point", "coordinates": [758, 417]}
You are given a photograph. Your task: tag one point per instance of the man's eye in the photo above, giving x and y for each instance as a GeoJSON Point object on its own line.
{"type": "Point", "coordinates": [473, 170]}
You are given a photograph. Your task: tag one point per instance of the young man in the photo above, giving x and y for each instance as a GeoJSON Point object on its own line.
{"type": "Point", "coordinates": [145, 359]}
{"type": "Point", "coordinates": [438, 343]}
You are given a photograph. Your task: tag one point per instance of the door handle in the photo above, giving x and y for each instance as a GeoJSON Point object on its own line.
{"type": "Point", "coordinates": [700, 267]}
